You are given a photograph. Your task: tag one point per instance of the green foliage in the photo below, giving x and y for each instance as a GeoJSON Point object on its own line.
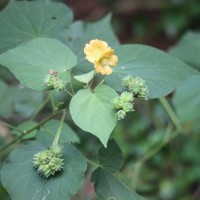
{"type": "Point", "coordinates": [31, 62]}
{"type": "Point", "coordinates": [48, 132]}
{"type": "Point", "coordinates": [43, 49]}
{"type": "Point", "coordinates": [18, 101]}
{"type": "Point", "coordinates": [190, 42]}
{"type": "Point", "coordinates": [162, 72]}
{"type": "Point", "coordinates": [107, 186]}
{"type": "Point", "coordinates": [22, 181]}
{"type": "Point", "coordinates": [93, 111]}
{"type": "Point", "coordinates": [25, 126]}
{"type": "Point", "coordinates": [186, 99]}
{"type": "Point", "coordinates": [24, 21]}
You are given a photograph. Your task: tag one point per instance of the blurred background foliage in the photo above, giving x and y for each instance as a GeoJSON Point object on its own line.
{"type": "Point", "coordinates": [172, 171]}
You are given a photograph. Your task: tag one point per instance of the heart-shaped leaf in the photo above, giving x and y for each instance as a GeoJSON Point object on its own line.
{"type": "Point", "coordinates": [93, 111]}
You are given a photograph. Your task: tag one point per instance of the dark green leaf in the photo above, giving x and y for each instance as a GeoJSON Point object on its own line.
{"type": "Point", "coordinates": [162, 72]}
{"type": "Point", "coordinates": [23, 21]}
{"type": "Point", "coordinates": [23, 182]}
{"type": "Point", "coordinates": [108, 187]}
{"type": "Point", "coordinates": [19, 101]}
{"type": "Point", "coordinates": [188, 49]}
{"type": "Point", "coordinates": [186, 99]}
{"type": "Point", "coordinates": [111, 158]}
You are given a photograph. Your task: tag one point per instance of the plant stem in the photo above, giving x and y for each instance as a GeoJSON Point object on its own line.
{"type": "Point", "coordinates": [25, 132]}
{"type": "Point", "coordinates": [41, 107]}
{"type": "Point", "coordinates": [52, 101]}
{"type": "Point", "coordinates": [91, 82]}
{"type": "Point", "coordinates": [171, 113]}
{"type": "Point", "coordinates": [55, 142]}
{"type": "Point", "coordinates": [69, 93]}
{"type": "Point", "coordinates": [99, 83]}
{"type": "Point", "coordinates": [72, 89]}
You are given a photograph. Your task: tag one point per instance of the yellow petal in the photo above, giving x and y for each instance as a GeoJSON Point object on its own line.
{"type": "Point", "coordinates": [113, 60]}
{"type": "Point", "coordinates": [95, 49]}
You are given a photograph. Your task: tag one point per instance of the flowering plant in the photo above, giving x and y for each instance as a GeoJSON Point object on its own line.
{"type": "Point", "coordinates": [89, 81]}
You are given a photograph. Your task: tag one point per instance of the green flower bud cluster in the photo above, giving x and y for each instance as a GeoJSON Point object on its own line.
{"type": "Point", "coordinates": [48, 162]}
{"type": "Point", "coordinates": [53, 82]}
{"type": "Point", "coordinates": [137, 86]}
{"type": "Point", "coordinates": [123, 103]}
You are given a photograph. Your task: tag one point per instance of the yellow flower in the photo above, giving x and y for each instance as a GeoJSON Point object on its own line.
{"type": "Point", "coordinates": [104, 63]}
{"type": "Point", "coordinates": [99, 53]}
{"type": "Point", "coordinates": [95, 49]}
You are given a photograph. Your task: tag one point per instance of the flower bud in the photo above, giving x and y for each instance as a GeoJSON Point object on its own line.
{"type": "Point", "coordinates": [137, 86]}
{"type": "Point", "coordinates": [121, 114]}
{"type": "Point", "coordinates": [48, 162]}
{"type": "Point", "coordinates": [127, 107]}
{"type": "Point", "coordinates": [59, 85]}
{"type": "Point", "coordinates": [49, 81]}
{"type": "Point", "coordinates": [117, 102]}
{"type": "Point", "coordinates": [127, 97]}
{"type": "Point", "coordinates": [127, 80]}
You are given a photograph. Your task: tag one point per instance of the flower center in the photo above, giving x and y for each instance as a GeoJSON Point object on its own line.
{"type": "Point", "coordinates": [104, 62]}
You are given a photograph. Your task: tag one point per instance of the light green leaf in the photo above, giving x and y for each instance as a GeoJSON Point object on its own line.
{"type": "Point", "coordinates": [111, 158]}
{"type": "Point", "coordinates": [93, 111]}
{"type": "Point", "coordinates": [162, 72]}
{"type": "Point", "coordinates": [19, 101]}
{"type": "Point", "coordinates": [188, 49]}
{"type": "Point", "coordinates": [22, 181]}
{"type": "Point", "coordinates": [186, 99]}
{"type": "Point", "coordinates": [23, 21]}
{"type": "Point", "coordinates": [31, 61]}
{"type": "Point", "coordinates": [108, 187]}
{"type": "Point", "coordinates": [25, 126]}
{"type": "Point", "coordinates": [47, 133]}
{"type": "Point", "coordinates": [85, 78]}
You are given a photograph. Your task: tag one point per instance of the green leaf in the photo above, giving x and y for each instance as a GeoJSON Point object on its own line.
{"type": "Point", "coordinates": [23, 21]}
{"type": "Point", "coordinates": [93, 111]}
{"type": "Point", "coordinates": [31, 61]}
{"type": "Point", "coordinates": [47, 133]}
{"type": "Point", "coordinates": [16, 101]}
{"type": "Point", "coordinates": [162, 72]}
{"type": "Point", "coordinates": [3, 88]}
{"type": "Point", "coordinates": [111, 158]}
{"type": "Point", "coordinates": [109, 187]}
{"type": "Point", "coordinates": [85, 78]}
{"type": "Point", "coordinates": [22, 181]}
{"type": "Point", "coordinates": [25, 126]}
{"type": "Point", "coordinates": [186, 99]}
{"type": "Point", "coordinates": [188, 49]}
